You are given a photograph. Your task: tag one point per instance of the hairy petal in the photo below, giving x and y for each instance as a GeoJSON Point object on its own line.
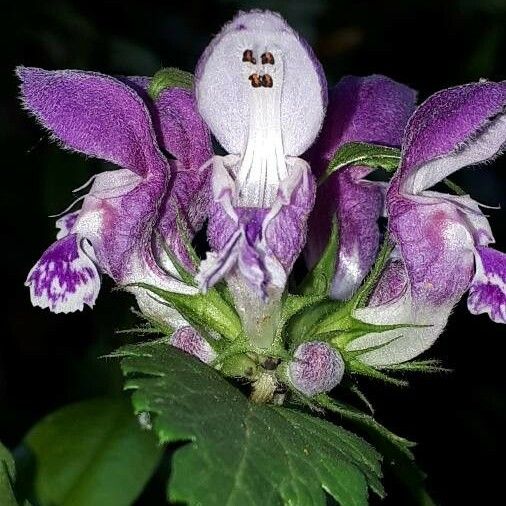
{"type": "Point", "coordinates": [65, 278]}
{"type": "Point", "coordinates": [94, 114]}
{"type": "Point", "coordinates": [487, 293]}
{"type": "Point", "coordinates": [224, 88]}
{"type": "Point", "coordinates": [452, 129]}
{"type": "Point", "coordinates": [372, 109]}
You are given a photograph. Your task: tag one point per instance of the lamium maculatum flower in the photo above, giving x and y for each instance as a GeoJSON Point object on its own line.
{"type": "Point", "coordinates": [128, 218]}
{"type": "Point", "coordinates": [442, 241]}
{"type": "Point", "coordinates": [317, 367]}
{"type": "Point", "coordinates": [372, 109]}
{"type": "Point", "coordinates": [263, 94]}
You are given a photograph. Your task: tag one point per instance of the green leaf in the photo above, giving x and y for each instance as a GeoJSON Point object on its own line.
{"type": "Point", "coordinates": [361, 153]}
{"type": "Point", "coordinates": [93, 452]}
{"type": "Point", "coordinates": [170, 77]}
{"type": "Point", "coordinates": [396, 450]}
{"type": "Point", "coordinates": [241, 453]}
{"type": "Point", "coordinates": [203, 310]}
{"type": "Point", "coordinates": [319, 279]}
{"type": "Point", "coordinates": [7, 478]}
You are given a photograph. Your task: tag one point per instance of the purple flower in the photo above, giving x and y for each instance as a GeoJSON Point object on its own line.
{"type": "Point", "coordinates": [316, 368]}
{"type": "Point", "coordinates": [129, 215]}
{"type": "Point", "coordinates": [262, 93]}
{"type": "Point", "coordinates": [371, 109]}
{"type": "Point", "coordinates": [441, 240]}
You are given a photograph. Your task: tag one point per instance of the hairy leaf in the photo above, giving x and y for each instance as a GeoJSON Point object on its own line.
{"type": "Point", "coordinates": [361, 153]}
{"type": "Point", "coordinates": [241, 453]}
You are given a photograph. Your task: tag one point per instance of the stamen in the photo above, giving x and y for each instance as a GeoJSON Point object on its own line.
{"type": "Point", "coordinates": [267, 59]}
{"type": "Point", "coordinates": [266, 80]}
{"type": "Point", "coordinates": [256, 80]}
{"type": "Point", "coordinates": [263, 164]}
{"type": "Point", "coordinates": [247, 56]}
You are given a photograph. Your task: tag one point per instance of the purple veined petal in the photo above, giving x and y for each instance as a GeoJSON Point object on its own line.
{"type": "Point", "coordinates": [65, 224]}
{"type": "Point", "coordinates": [360, 204]}
{"type": "Point", "coordinates": [190, 341]}
{"type": "Point", "coordinates": [487, 293]}
{"type": "Point", "coordinates": [94, 114]}
{"type": "Point", "coordinates": [250, 91]}
{"type": "Point", "coordinates": [65, 278]}
{"type": "Point", "coordinates": [391, 286]}
{"type": "Point", "coordinates": [285, 226]}
{"type": "Point", "coordinates": [436, 245]}
{"type": "Point", "coordinates": [372, 109]}
{"type": "Point", "coordinates": [316, 368]}
{"type": "Point", "coordinates": [452, 129]}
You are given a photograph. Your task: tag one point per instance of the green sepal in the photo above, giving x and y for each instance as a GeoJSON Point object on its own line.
{"type": "Point", "coordinates": [319, 279]}
{"type": "Point", "coordinates": [364, 154]}
{"type": "Point", "coordinates": [301, 326]}
{"type": "Point", "coordinates": [170, 77]}
{"type": "Point", "coordinates": [361, 297]}
{"type": "Point", "coordinates": [423, 366]}
{"type": "Point", "coordinates": [204, 310]}
{"type": "Point", "coordinates": [239, 366]}
{"type": "Point", "coordinates": [458, 190]}
{"type": "Point", "coordinates": [356, 366]}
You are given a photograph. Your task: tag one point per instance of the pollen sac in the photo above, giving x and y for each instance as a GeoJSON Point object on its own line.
{"type": "Point", "coordinates": [258, 67]}
{"type": "Point", "coordinates": [267, 59]}
{"type": "Point", "coordinates": [256, 80]}
{"type": "Point", "coordinates": [316, 368]}
{"type": "Point", "coordinates": [267, 81]}
{"type": "Point", "coordinates": [247, 56]}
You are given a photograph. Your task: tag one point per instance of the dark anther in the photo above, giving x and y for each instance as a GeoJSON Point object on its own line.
{"type": "Point", "coordinates": [256, 80]}
{"type": "Point", "coordinates": [248, 56]}
{"type": "Point", "coordinates": [266, 81]}
{"type": "Point", "coordinates": [267, 58]}
{"type": "Point", "coordinates": [271, 363]}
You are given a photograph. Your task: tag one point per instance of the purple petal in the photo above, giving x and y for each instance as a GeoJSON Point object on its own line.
{"type": "Point", "coordinates": [285, 227]}
{"type": "Point", "coordinates": [252, 45]}
{"type": "Point", "coordinates": [391, 286]}
{"type": "Point", "coordinates": [190, 341]}
{"type": "Point", "coordinates": [94, 114]}
{"type": "Point", "coordinates": [372, 109]}
{"type": "Point", "coordinates": [487, 293]}
{"type": "Point", "coordinates": [454, 128]}
{"type": "Point", "coordinates": [65, 278]}
{"type": "Point", "coordinates": [436, 245]}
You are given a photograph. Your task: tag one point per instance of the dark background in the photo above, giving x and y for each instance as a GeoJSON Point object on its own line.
{"type": "Point", "coordinates": [48, 360]}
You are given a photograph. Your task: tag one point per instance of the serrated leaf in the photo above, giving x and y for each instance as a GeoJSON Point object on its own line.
{"type": "Point", "coordinates": [395, 449]}
{"type": "Point", "coordinates": [364, 154]}
{"type": "Point", "coordinates": [241, 453]}
{"type": "Point", "coordinates": [92, 452]}
{"type": "Point", "coordinates": [203, 310]}
{"type": "Point", "coordinates": [170, 77]}
{"type": "Point", "coordinates": [7, 478]}
{"type": "Point", "coordinates": [319, 279]}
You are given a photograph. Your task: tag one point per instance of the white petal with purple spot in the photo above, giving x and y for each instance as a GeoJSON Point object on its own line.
{"type": "Point", "coordinates": [65, 278]}
{"type": "Point", "coordinates": [487, 293]}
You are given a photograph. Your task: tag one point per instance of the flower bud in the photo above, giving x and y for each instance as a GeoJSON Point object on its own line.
{"type": "Point", "coordinates": [190, 341]}
{"type": "Point", "coordinates": [316, 368]}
